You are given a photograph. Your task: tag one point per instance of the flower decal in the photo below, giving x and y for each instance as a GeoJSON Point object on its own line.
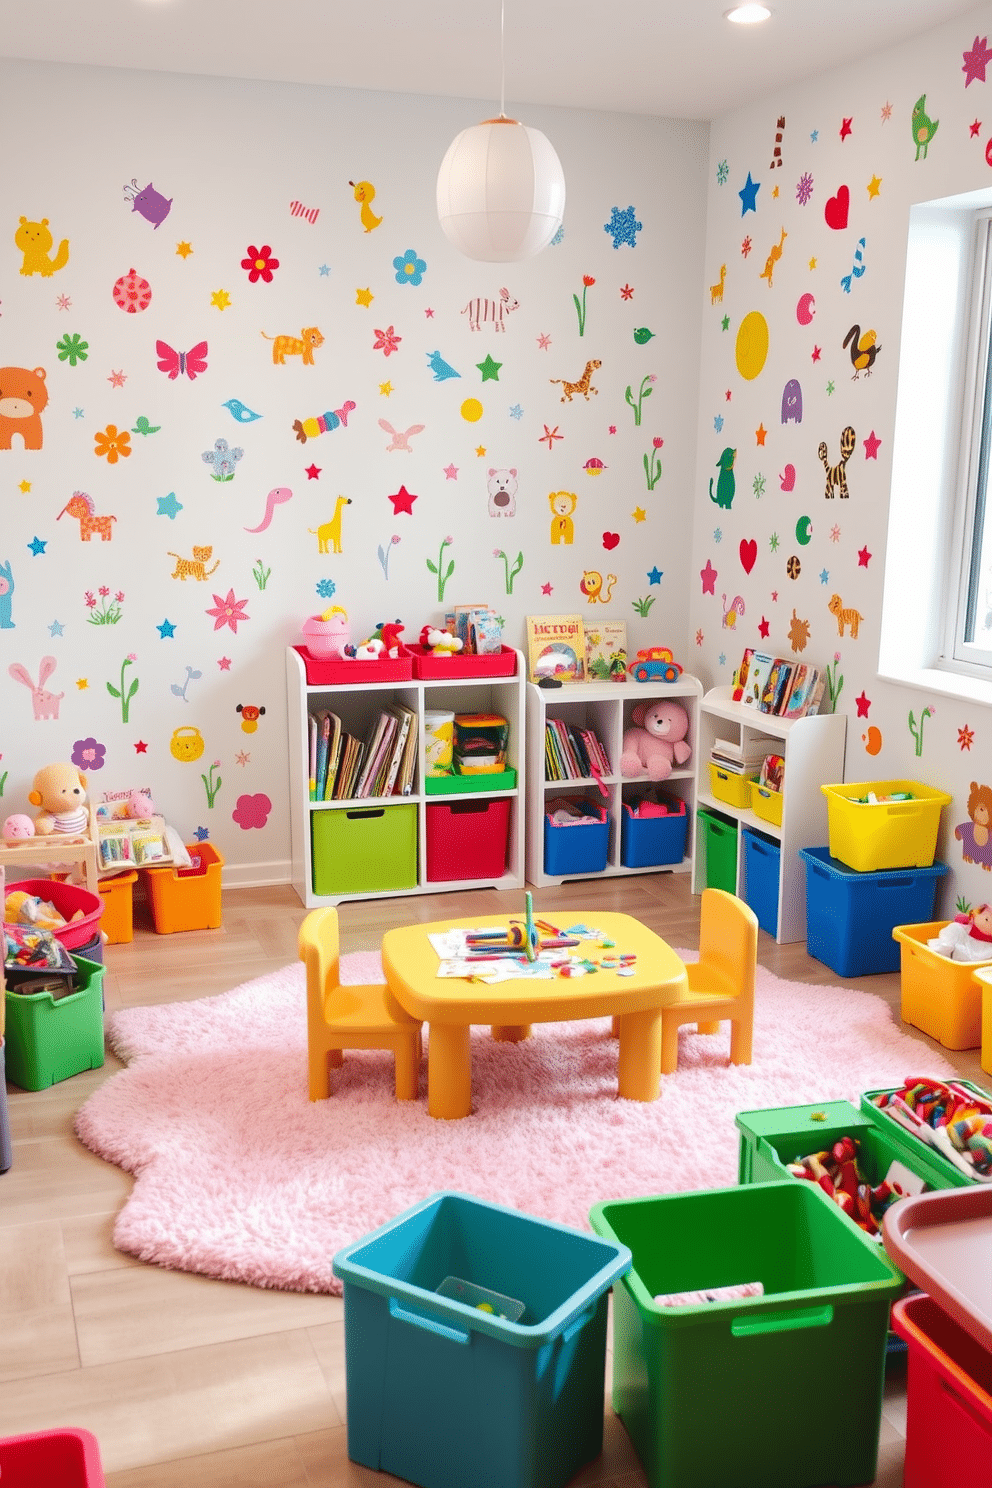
{"type": "Point", "coordinates": [252, 811]}
{"type": "Point", "coordinates": [228, 611]}
{"type": "Point", "coordinates": [88, 754]}
{"type": "Point", "coordinates": [223, 459]}
{"type": "Point", "coordinates": [259, 263]}
{"type": "Point", "coordinates": [113, 443]}
{"type": "Point", "coordinates": [72, 349]}
{"type": "Point", "coordinates": [409, 269]}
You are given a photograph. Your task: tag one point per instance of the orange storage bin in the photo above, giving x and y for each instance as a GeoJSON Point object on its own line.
{"type": "Point", "coordinates": [118, 908]}
{"type": "Point", "coordinates": [939, 995]}
{"type": "Point", "coordinates": [187, 898]}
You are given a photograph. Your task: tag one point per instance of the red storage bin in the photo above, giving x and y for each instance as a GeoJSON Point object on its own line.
{"type": "Point", "coordinates": [68, 899]}
{"type": "Point", "coordinates": [467, 839]}
{"type": "Point", "coordinates": [69, 1458]}
{"type": "Point", "coordinates": [948, 1398]}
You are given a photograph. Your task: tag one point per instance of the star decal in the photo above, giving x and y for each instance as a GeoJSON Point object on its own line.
{"type": "Point", "coordinates": [976, 61]}
{"type": "Point", "coordinates": [626, 293]}
{"type": "Point", "coordinates": [864, 557]}
{"type": "Point", "coordinates": [489, 369]}
{"type": "Point", "coordinates": [774, 193]}
{"type": "Point", "coordinates": [709, 578]}
{"type": "Point", "coordinates": [228, 611]}
{"type": "Point", "coordinates": [220, 298]}
{"type": "Point", "coordinates": [975, 127]}
{"type": "Point", "coordinates": [201, 833]}
{"type": "Point", "coordinates": [82, 683]}
{"type": "Point", "coordinates": [56, 628]}
{"type": "Point", "coordinates": [835, 534]}
{"type": "Point", "coordinates": [966, 737]}
{"type": "Point", "coordinates": [816, 353]}
{"type": "Point", "coordinates": [364, 297]}
{"type": "Point", "coordinates": [385, 388]}
{"type": "Point", "coordinates": [748, 194]}
{"type": "Point", "coordinates": [550, 435]}
{"type": "Point", "coordinates": [871, 445]}
{"type": "Point", "coordinates": [312, 472]}
{"type": "Point", "coordinates": [874, 187]}
{"type": "Point", "coordinates": [886, 112]}
{"type": "Point", "coordinates": [140, 747]}
{"type": "Point", "coordinates": [324, 270]}
{"type": "Point", "coordinates": [451, 472]}
{"type": "Point", "coordinates": [184, 250]}
{"type": "Point", "coordinates": [760, 434]}
{"type": "Point", "coordinates": [63, 302]}
{"type": "Point", "coordinates": [824, 576]}
{"type": "Point", "coordinates": [480, 450]}
{"type": "Point", "coordinates": [763, 628]}
{"type": "Point", "coordinates": [543, 341]}
{"type": "Point", "coordinates": [845, 129]}
{"type": "Point", "coordinates": [774, 596]}
{"type": "Point", "coordinates": [655, 575]}
{"type": "Point", "coordinates": [166, 630]}
{"type": "Point", "coordinates": [117, 379]}
{"type": "Point", "coordinates": [546, 589]}
{"type": "Point", "coordinates": [428, 313]}
{"type": "Point", "coordinates": [725, 323]}
{"type": "Point", "coordinates": [639, 514]}
{"type": "Point", "coordinates": [812, 264]}
{"type": "Point", "coordinates": [24, 486]}
{"type": "Point", "coordinates": [612, 429]}
{"type": "Point", "coordinates": [224, 662]}
{"type": "Point", "coordinates": [242, 757]}
{"type": "Point", "coordinates": [718, 422]}
{"type": "Point", "coordinates": [814, 135]}
{"type": "Point", "coordinates": [864, 703]}
{"type": "Point", "coordinates": [168, 506]}
{"type": "Point", "coordinates": [38, 545]}
{"type": "Point", "coordinates": [403, 501]}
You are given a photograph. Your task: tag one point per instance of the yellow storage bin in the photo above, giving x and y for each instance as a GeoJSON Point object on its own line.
{"type": "Point", "coordinates": [117, 922]}
{"type": "Point", "coordinates": [889, 834]}
{"type": "Point", "coordinates": [984, 980]}
{"type": "Point", "coordinates": [939, 996]}
{"type": "Point", "coordinates": [734, 789]}
{"type": "Point", "coordinates": [187, 898]}
{"type": "Point", "coordinates": [766, 803]}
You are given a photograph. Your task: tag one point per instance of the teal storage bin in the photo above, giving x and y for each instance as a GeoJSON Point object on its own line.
{"type": "Point", "coordinates": [762, 860]}
{"type": "Point", "coordinates": [782, 1390]}
{"type": "Point", "coordinates": [448, 1396]}
{"type": "Point", "coordinates": [716, 839]}
{"type": "Point", "coordinates": [850, 916]}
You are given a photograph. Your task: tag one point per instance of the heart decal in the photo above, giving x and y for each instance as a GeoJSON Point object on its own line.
{"type": "Point", "coordinates": [610, 540]}
{"type": "Point", "coordinates": [749, 554]}
{"type": "Point", "coordinates": [835, 212]}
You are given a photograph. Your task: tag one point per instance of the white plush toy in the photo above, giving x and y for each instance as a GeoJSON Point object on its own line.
{"type": "Point", "coordinates": [968, 937]}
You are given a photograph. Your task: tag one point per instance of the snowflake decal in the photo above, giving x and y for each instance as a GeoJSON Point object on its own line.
{"type": "Point", "coordinates": [804, 188]}
{"type": "Point", "coordinates": [722, 172]}
{"type": "Point", "coordinates": [773, 542]}
{"type": "Point", "coordinates": [758, 485]}
{"type": "Point", "coordinates": [623, 227]}
{"type": "Point", "coordinates": [326, 588]}
{"type": "Point", "coordinates": [718, 422]}
{"type": "Point", "coordinates": [718, 534]}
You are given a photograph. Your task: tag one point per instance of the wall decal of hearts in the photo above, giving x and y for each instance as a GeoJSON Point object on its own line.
{"type": "Point", "coordinates": [835, 212]}
{"type": "Point", "coordinates": [610, 540]}
{"type": "Point", "coordinates": [749, 554]}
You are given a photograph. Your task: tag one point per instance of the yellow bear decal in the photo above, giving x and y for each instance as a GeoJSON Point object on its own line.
{"type": "Point", "coordinates": [35, 242]}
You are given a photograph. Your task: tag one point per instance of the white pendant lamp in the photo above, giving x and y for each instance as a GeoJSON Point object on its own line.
{"type": "Point", "coordinates": [500, 189]}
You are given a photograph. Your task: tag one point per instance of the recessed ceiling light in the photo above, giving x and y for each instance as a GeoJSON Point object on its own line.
{"type": "Point", "coordinates": [748, 15]}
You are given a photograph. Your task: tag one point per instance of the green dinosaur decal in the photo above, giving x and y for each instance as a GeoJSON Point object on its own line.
{"type": "Point", "coordinates": [725, 483]}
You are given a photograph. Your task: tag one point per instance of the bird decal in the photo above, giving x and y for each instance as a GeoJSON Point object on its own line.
{"type": "Point", "coordinates": [238, 410]}
{"type": "Point", "coordinates": [364, 194]}
{"type": "Point", "coordinates": [864, 350]}
{"type": "Point", "coordinates": [924, 129]}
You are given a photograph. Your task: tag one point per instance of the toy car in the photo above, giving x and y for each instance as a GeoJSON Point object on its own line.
{"type": "Point", "coordinates": [655, 664]}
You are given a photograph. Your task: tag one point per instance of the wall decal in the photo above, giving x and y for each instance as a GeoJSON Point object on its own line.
{"type": "Point", "coordinates": [872, 740]}
{"type": "Point", "coordinates": [409, 268]}
{"type": "Point", "coordinates": [805, 308]}
{"type": "Point", "coordinates": [804, 189]}
{"type": "Point", "coordinates": [976, 61]}
{"type": "Point", "coordinates": [644, 392]}
{"type": "Point", "coordinates": [837, 474]}
{"type": "Point", "coordinates": [179, 689]}
{"type": "Point", "coordinates": [212, 785]}
{"type": "Point", "coordinates": [223, 459]}
{"type": "Point", "coordinates": [845, 128]}
{"type": "Point", "coordinates": [836, 210]}
{"type": "Point", "coordinates": [924, 128]}
{"type": "Point", "coordinates": [400, 440]}
{"type": "Point", "coordinates": [976, 833]}
{"type": "Point", "coordinates": [793, 567]}
{"type": "Point", "coordinates": [184, 250]}
{"type": "Point", "coordinates": [313, 471]}
{"type": "Point", "coordinates": [238, 411]}
{"type": "Point", "coordinates": [864, 350]}
{"type": "Point", "coordinates": [627, 292]}
{"type": "Point", "coordinates": [550, 435]}
{"type": "Point", "coordinates": [228, 611]}
{"type": "Point", "coordinates": [725, 481]}
{"type": "Point", "coordinates": [804, 531]}
{"type": "Point", "coordinates": [583, 386]}
{"type": "Point", "coordinates": [652, 463]}
{"type": "Point", "coordinates": [186, 744]}
{"type": "Point", "coordinates": [275, 498]}
{"type": "Point", "coordinates": [220, 299]}
{"type": "Point", "coordinates": [83, 508]}
{"type": "Point", "coordinates": [309, 214]}
{"type": "Point", "coordinates": [471, 410]}
{"type": "Point", "coordinates": [125, 695]}
{"type": "Point", "coordinates": [489, 369]}
{"type": "Point", "coordinates": [844, 616]}
{"type": "Point", "coordinates": [37, 546]}
{"type": "Point", "coordinates": [23, 398]}
{"type": "Point", "coordinates": [502, 487]}
{"type": "Point", "coordinates": [72, 349]}
{"type": "Point", "coordinates": [752, 345]}
{"type": "Point", "coordinates": [88, 754]}
{"type": "Point", "coordinates": [383, 551]}
{"type": "Point", "coordinates": [132, 293]}
{"type": "Point", "coordinates": [252, 811]}
{"type": "Point", "coordinates": [642, 606]}
{"type": "Point", "coordinates": [328, 534]}
{"type": "Point", "coordinates": [594, 466]}
{"type": "Point", "coordinates": [260, 573]}
{"type": "Point", "coordinates": [168, 506]}
{"type": "Point", "coordinates": [442, 370]}
{"type": "Point", "coordinates": [716, 290]}
{"type": "Point", "coordinates": [563, 504]}
{"type": "Point", "coordinates": [509, 573]}
{"type": "Point", "coordinates": [799, 633]}
{"type": "Point", "coordinates": [112, 444]}
{"type": "Point", "coordinates": [623, 227]}
{"type": "Point", "coordinates": [749, 195]}
{"type": "Point", "coordinates": [35, 242]}
{"type": "Point", "coordinates": [195, 567]}
{"type": "Point", "coordinates": [580, 305]}
{"type": "Point", "coordinates": [774, 255]}
{"type": "Point", "coordinates": [175, 363]}
{"type": "Point", "coordinates": [857, 269]}
{"type": "Point", "coordinates": [44, 704]}
{"type": "Point", "coordinates": [386, 341]}
{"type": "Point", "coordinates": [365, 195]}
{"type": "Point", "coordinates": [642, 335]}
{"type": "Point", "coordinates": [302, 346]}
{"type": "Point", "coordinates": [117, 379]}
{"type": "Point", "coordinates": [732, 612]}
{"type": "Point", "coordinates": [6, 602]}
{"type": "Point", "coordinates": [792, 402]}
{"type": "Point", "coordinates": [748, 552]}
{"type": "Point", "coordinates": [776, 159]}
{"type": "Point", "coordinates": [326, 588]}
{"type": "Point", "coordinates": [966, 737]}
{"type": "Point", "coordinates": [611, 540]}
{"type": "Point", "coordinates": [148, 203]}
{"type": "Point", "coordinates": [305, 429]}
{"type": "Point", "coordinates": [492, 312]}
{"type": "Point", "coordinates": [105, 611]}
{"type": "Point", "coordinates": [250, 715]}
{"type": "Point", "coordinates": [443, 574]}
{"type": "Point", "coordinates": [259, 264]}
{"type": "Point", "coordinates": [916, 729]}
{"type": "Point", "coordinates": [746, 247]}
{"type": "Point", "coordinates": [592, 585]}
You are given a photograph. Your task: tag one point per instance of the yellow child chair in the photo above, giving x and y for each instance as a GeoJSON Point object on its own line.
{"type": "Point", "coordinates": [338, 1018]}
{"type": "Point", "coordinates": [721, 982]}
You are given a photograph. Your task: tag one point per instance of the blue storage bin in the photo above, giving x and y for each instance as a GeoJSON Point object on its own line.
{"type": "Point", "coordinates": [850, 916]}
{"type": "Point", "coordinates": [579, 847]}
{"type": "Point", "coordinates": [653, 841]}
{"type": "Point", "coordinates": [448, 1396]}
{"type": "Point", "coordinates": [762, 860]}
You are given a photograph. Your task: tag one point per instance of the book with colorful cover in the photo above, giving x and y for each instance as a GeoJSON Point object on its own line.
{"type": "Point", "coordinates": [740, 677]}
{"type": "Point", "coordinates": [556, 647]}
{"type": "Point", "coordinates": [606, 651]}
{"type": "Point", "coordinates": [776, 688]}
{"type": "Point", "coordinates": [758, 672]}
{"type": "Point", "coordinates": [333, 756]}
{"type": "Point", "coordinates": [808, 684]}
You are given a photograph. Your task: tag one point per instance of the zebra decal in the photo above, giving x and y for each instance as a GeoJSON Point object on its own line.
{"type": "Point", "coordinates": [485, 312]}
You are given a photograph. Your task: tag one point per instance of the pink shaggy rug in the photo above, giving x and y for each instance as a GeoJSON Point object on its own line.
{"type": "Point", "coordinates": [238, 1175]}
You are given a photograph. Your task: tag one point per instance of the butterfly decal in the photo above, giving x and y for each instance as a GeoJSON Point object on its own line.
{"type": "Point", "coordinates": [175, 363]}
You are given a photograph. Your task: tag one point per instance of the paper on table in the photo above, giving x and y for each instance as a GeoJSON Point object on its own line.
{"type": "Point", "coordinates": [451, 946]}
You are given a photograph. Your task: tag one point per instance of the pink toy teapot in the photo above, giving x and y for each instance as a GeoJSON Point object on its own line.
{"type": "Point", "coordinates": [327, 635]}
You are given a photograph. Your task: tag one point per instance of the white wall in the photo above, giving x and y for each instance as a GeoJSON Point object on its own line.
{"type": "Point", "coordinates": [846, 553]}
{"type": "Point", "coordinates": [232, 156]}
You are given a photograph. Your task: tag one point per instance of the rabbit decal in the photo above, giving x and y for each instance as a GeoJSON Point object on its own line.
{"type": "Point", "coordinates": [45, 703]}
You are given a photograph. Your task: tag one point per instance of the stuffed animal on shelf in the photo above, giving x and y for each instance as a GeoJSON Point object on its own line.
{"type": "Point", "coordinates": [60, 791]}
{"type": "Point", "coordinates": [140, 806]}
{"type": "Point", "coordinates": [16, 829]}
{"type": "Point", "coordinates": [656, 742]}
{"type": "Point", "coordinates": [440, 642]}
{"type": "Point", "coordinates": [968, 937]}
{"type": "Point", "coordinates": [390, 634]}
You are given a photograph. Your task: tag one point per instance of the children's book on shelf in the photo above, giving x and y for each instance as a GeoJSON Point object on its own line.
{"type": "Point", "coordinates": [808, 686]}
{"type": "Point", "coordinates": [398, 781]}
{"type": "Point", "coordinates": [377, 755]}
{"type": "Point", "coordinates": [776, 689]}
{"type": "Point", "coordinates": [606, 651]}
{"type": "Point", "coordinates": [758, 672]}
{"type": "Point", "coordinates": [556, 647]}
{"type": "Point", "coordinates": [479, 630]}
{"type": "Point", "coordinates": [740, 679]}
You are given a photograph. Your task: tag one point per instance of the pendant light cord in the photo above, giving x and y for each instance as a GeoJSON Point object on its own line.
{"type": "Point", "coordinates": [502, 59]}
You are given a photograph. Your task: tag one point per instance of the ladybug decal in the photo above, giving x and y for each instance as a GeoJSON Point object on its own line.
{"type": "Point", "coordinates": [132, 293]}
{"type": "Point", "coordinates": [249, 716]}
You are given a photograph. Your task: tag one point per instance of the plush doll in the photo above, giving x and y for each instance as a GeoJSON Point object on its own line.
{"type": "Point", "coordinates": [656, 743]}
{"type": "Point", "coordinates": [17, 829]}
{"type": "Point", "coordinates": [60, 791]}
{"type": "Point", "coordinates": [968, 937]}
{"type": "Point", "coordinates": [140, 806]}
{"type": "Point", "coordinates": [327, 635]}
{"type": "Point", "coordinates": [440, 642]}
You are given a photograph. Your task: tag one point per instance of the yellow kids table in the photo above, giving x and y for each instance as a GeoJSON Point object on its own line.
{"type": "Point", "coordinates": [452, 1004]}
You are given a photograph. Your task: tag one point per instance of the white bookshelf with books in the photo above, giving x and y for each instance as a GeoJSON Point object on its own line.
{"type": "Point", "coordinates": [368, 818]}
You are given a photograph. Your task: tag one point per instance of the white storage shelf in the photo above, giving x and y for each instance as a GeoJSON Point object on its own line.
{"type": "Point", "coordinates": [813, 750]}
{"type": "Point", "coordinates": [606, 708]}
{"type": "Point", "coordinates": [357, 706]}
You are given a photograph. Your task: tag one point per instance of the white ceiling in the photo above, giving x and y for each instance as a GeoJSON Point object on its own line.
{"type": "Point", "coordinates": [678, 60]}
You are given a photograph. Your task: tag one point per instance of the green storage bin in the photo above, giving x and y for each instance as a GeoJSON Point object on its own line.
{"type": "Point", "coordinates": [778, 1391]}
{"type": "Point", "coordinates": [911, 1144]}
{"type": "Point", "coordinates": [716, 836]}
{"type": "Point", "coordinates": [364, 850]}
{"type": "Point", "coordinates": [49, 1039]}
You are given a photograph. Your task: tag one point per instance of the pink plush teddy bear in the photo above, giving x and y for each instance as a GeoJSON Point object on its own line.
{"type": "Point", "coordinates": [657, 742]}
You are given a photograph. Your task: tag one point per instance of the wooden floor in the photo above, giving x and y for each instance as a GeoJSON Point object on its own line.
{"type": "Point", "coordinates": [206, 1384]}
